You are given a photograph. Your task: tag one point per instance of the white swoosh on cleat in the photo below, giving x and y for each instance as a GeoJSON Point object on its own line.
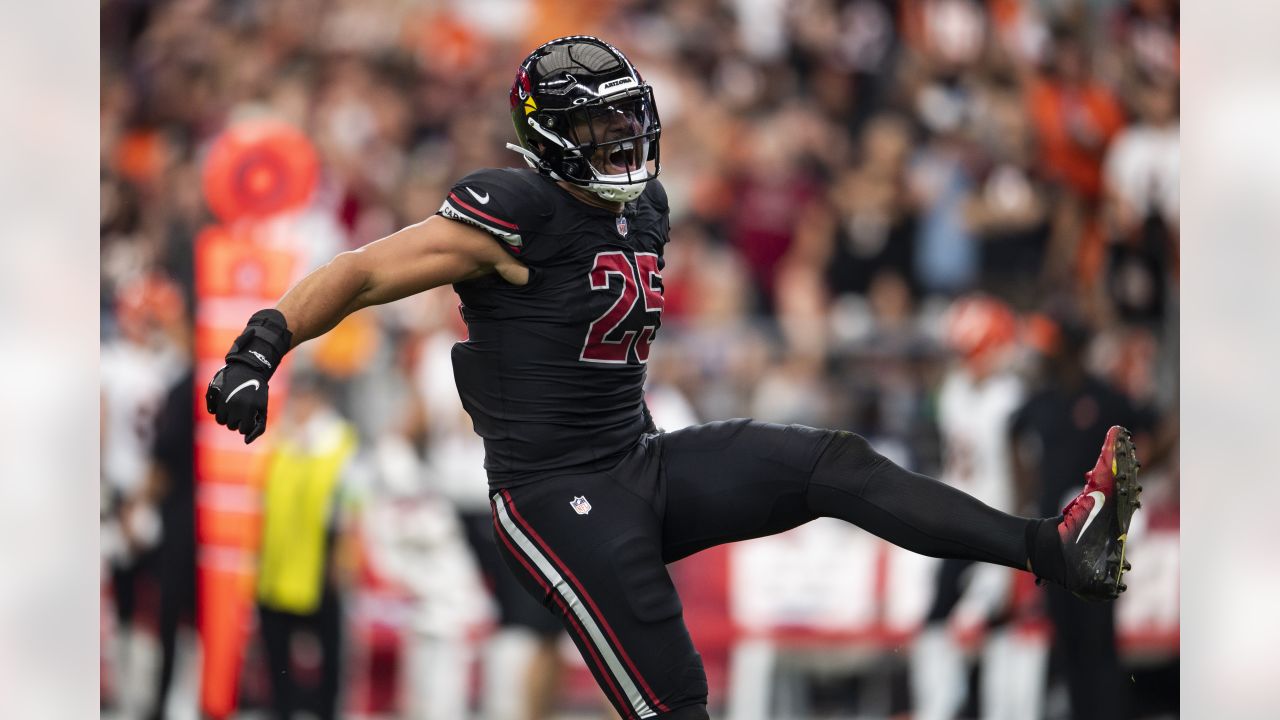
{"type": "Point", "coordinates": [255, 385]}
{"type": "Point", "coordinates": [1099, 499]}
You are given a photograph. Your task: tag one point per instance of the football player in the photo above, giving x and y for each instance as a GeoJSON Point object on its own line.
{"type": "Point", "coordinates": [976, 400]}
{"type": "Point", "coordinates": [559, 268]}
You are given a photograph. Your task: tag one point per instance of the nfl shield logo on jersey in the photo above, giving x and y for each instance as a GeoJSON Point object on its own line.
{"type": "Point", "coordinates": [622, 225]}
{"type": "Point", "coordinates": [580, 505]}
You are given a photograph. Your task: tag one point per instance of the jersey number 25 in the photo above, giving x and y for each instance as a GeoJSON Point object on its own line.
{"type": "Point", "coordinates": [641, 280]}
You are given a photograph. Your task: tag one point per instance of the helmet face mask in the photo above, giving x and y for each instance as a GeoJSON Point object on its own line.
{"type": "Point", "coordinates": [583, 115]}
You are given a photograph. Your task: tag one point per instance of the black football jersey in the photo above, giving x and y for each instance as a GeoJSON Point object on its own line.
{"type": "Point", "coordinates": [552, 372]}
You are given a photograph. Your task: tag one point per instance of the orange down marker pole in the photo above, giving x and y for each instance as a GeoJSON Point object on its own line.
{"type": "Point", "coordinates": [255, 172]}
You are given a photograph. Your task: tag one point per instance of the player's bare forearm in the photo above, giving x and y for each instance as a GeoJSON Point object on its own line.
{"type": "Point", "coordinates": [420, 257]}
{"type": "Point", "coordinates": [323, 298]}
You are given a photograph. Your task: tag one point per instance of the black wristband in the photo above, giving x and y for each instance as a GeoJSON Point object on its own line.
{"type": "Point", "coordinates": [263, 343]}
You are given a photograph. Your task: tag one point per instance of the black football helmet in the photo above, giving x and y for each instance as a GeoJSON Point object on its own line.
{"type": "Point", "coordinates": [584, 115]}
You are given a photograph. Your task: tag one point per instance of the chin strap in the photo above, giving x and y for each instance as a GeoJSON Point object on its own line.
{"type": "Point", "coordinates": [533, 161]}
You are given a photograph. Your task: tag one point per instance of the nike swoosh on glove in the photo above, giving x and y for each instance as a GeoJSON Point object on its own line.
{"type": "Point", "coordinates": [237, 398]}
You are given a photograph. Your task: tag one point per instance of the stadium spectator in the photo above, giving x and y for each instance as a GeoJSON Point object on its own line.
{"type": "Point", "coordinates": [866, 224]}
{"type": "Point", "coordinates": [1141, 185]}
{"type": "Point", "coordinates": [941, 179]}
{"type": "Point", "coordinates": [770, 189]}
{"type": "Point", "coordinates": [1146, 32]}
{"type": "Point", "coordinates": [1075, 116]}
{"type": "Point", "coordinates": [1008, 211]}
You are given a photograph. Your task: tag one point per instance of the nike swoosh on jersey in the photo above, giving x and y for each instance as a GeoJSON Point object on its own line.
{"type": "Point", "coordinates": [1099, 499]}
{"type": "Point", "coordinates": [242, 386]}
{"type": "Point", "coordinates": [482, 200]}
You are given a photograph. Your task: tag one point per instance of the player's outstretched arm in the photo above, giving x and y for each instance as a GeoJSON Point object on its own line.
{"type": "Point", "coordinates": [429, 254]}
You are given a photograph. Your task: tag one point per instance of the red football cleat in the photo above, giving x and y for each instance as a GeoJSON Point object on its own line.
{"type": "Point", "coordinates": [1095, 524]}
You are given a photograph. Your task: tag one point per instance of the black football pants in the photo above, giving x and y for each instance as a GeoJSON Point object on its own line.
{"type": "Point", "coordinates": [593, 548]}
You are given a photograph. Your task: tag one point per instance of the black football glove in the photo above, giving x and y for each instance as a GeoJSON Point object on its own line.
{"type": "Point", "coordinates": [237, 394]}
{"type": "Point", "coordinates": [237, 398]}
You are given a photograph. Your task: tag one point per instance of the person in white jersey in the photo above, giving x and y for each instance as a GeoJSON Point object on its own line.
{"type": "Point", "coordinates": [976, 401]}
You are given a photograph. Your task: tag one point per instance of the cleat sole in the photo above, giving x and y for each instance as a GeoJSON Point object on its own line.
{"type": "Point", "coordinates": [1124, 464]}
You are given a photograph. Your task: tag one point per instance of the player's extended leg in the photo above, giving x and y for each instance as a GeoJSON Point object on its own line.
{"type": "Point", "coordinates": [739, 479]}
{"type": "Point", "coordinates": [589, 547]}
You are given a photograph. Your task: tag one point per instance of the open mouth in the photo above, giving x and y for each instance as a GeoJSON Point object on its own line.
{"type": "Point", "coordinates": [620, 158]}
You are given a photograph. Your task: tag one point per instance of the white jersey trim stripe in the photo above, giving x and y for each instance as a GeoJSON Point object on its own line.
{"type": "Point", "coordinates": [571, 599]}
{"type": "Point", "coordinates": [453, 213]}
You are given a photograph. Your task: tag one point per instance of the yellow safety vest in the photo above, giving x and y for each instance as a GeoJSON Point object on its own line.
{"type": "Point", "coordinates": [297, 503]}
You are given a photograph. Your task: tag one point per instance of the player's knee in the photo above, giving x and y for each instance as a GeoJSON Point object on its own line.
{"type": "Point", "coordinates": [688, 712]}
{"type": "Point", "coordinates": [847, 461]}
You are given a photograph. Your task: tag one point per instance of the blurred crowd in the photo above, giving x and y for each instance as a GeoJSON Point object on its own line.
{"type": "Point", "coordinates": [840, 171]}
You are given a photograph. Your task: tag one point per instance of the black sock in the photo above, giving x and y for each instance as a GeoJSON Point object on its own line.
{"type": "Point", "coordinates": [1044, 550]}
